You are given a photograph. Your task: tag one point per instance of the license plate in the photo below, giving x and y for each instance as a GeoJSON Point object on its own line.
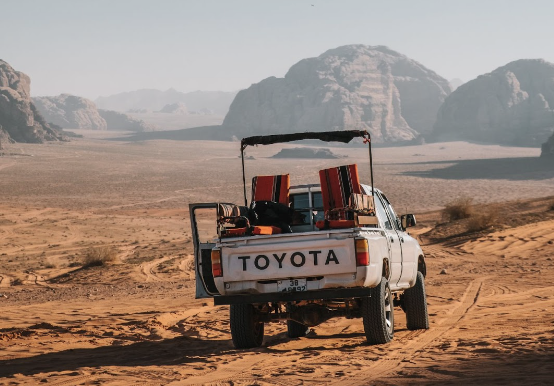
{"type": "Point", "coordinates": [292, 285]}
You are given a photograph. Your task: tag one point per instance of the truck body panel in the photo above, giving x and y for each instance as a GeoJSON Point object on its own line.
{"type": "Point", "coordinates": [326, 258]}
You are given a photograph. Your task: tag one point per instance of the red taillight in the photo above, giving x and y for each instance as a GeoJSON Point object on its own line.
{"type": "Point", "coordinates": [217, 270]}
{"type": "Point", "coordinates": [362, 252]}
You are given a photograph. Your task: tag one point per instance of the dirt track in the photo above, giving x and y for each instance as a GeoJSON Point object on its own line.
{"type": "Point", "coordinates": [135, 320]}
{"type": "Point", "coordinates": [491, 315]}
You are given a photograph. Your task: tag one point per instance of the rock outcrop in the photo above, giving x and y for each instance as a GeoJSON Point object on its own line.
{"type": "Point", "coordinates": [512, 105]}
{"type": "Point", "coordinates": [70, 112]}
{"type": "Point", "coordinates": [175, 108]}
{"type": "Point", "coordinates": [350, 87]}
{"type": "Point", "coordinates": [122, 122]}
{"type": "Point", "coordinates": [155, 100]}
{"type": "Point", "coordinates": [547, 148]}
{"type": "Point", "coordinates": [19, 119]}
{"type": "Point", "coordinates": [307, 152]}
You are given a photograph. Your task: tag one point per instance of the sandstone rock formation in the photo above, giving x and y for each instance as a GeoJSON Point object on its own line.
{"type": "Point", "coordinates": [350, 87]}
{"type": "Point", "coordinates": [155, 100]}
{"type": "Point", "coordinates": [70, 111]}
{"type": "Point", "coordinates": [547, 148]}
{"type": "Point", "coordinates": [19, 119]}
{"type": "Point", "coordinates": [123, 122]}
{"type": "Point", "coordinates": [175, 108]}
{"type": "Point", "coordinates": [513, 105]}
{"type": "Point", "coordinates": [307, 152]}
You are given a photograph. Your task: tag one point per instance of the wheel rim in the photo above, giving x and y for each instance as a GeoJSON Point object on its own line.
{"type": "Point", "coordinates": [388, 310]}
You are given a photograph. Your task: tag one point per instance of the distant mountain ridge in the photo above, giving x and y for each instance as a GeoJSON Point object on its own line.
{"type": "Point", "coordinates": [75, 112]}
{"type": "Point", "coordinates": [349, 87]}
{"type": "Point", "coordinates": [154, 100]}
{"type": "Point", "coordinates": [70, 112]}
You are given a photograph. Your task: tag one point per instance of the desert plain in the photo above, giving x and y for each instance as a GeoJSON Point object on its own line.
{"type": "Point", "coordinates": [135, 320]}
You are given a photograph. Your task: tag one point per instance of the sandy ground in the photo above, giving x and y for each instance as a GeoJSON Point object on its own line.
{"type": "Point", "coordinates": [135, 320]}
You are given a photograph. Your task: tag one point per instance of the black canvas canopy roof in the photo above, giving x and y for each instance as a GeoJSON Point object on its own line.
{"type": "Point", "coordinates": [344, 136]}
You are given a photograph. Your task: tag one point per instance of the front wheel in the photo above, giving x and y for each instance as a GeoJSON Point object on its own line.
{"type": "Point", "coordinates": [246, 329]}
{"type": "Point", "coordinates": [378, 315]}
{"type": "Point", "coordinates": [415, 305]}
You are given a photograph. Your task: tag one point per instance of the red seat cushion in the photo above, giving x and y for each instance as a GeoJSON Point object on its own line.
{"type": "Point", "coordinates": [266, 230]}
{"type": "Point", "coordinates": [230, 232]}
{"type": "Point", "coordinates": [271, 188]}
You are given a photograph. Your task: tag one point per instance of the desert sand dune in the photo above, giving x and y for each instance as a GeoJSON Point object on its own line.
{"type": "Point", "coordinates": [134, 320]}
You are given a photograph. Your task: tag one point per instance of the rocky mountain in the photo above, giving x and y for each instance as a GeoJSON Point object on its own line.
{"type": "Point", "coordinates": [155, 100]}
{"type": "Point", "coordinates": [306, 152]}
{"type": "Point", "coordinates": [122, 122]}
{"type": "Point", "coordinates": [512, 105]}
{"type": "Point", "coordinates": [70, 111]}
{"type": "Point", "coordinates": [74, 112]}
{"type": "Point", "coordinates": [349, 87]}
{"type": "Point", "coordinates": [547, 148]}
{"type": "Point", "coordinates": [19, 119]}
{"type": "Point", "coordinates": [175, 108]}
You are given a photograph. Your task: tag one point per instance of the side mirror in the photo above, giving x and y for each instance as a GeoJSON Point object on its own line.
{"type": "Point", "coordinates": [407, 220]}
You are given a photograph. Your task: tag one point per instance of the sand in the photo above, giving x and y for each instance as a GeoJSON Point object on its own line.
{"type": "Point", "coordinates": [135, 319]}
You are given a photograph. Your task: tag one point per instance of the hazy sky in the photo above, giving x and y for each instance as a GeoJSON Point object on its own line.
{"type": "Point", "coordinates": [101, 47]}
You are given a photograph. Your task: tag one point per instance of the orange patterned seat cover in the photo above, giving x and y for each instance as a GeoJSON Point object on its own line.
{"type": "Point", "coordinates": [337, 186]}
{"type": "Point", "coordinates": [271, 188]}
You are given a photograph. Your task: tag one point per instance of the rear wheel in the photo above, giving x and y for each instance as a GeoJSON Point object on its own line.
{"type": "Point", "coordinates": [415, 305]}
{"type": "Point", "coordinates": [246, 329]}
{"type": "Point", "coordinates": [378, 314]}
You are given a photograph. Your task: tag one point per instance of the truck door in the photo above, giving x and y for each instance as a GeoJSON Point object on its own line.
{"type": "Point", "coordinates": [204, 231]}
{"type": "Point", "coordinates": [395, 248]}
{"type": "Point", "coordinates": [407, 243]}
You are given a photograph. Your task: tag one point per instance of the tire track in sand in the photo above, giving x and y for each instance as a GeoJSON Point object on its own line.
{"type": "Point", "coordinates": [396, 360]}
{"type": "Point", "coordinates": [148, 269]}
{"type": "Point", "coordinates": [413, 342]}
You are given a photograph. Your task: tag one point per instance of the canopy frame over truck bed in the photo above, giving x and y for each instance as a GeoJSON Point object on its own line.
{"type": "Point", "coordinates": [344, 136]}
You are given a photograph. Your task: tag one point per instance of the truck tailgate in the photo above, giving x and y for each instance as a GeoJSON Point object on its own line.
{"type": "Point", "coordinates": [289, 256]}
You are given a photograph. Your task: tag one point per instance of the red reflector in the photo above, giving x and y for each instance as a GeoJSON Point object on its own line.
{"type": "Point", "coordinates": [362, 258]}
{"type": "Point", "coordinates": [216, 270]}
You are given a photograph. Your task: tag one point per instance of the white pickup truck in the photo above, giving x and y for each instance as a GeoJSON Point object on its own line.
{"type": "Point", "coordinates": [313, 272]}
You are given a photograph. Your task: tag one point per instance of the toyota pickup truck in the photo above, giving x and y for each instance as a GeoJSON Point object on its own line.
{"type": "Point", "coordinates": [308, 253]}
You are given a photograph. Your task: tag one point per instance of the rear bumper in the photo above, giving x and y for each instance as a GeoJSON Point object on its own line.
{"type": "Point", "coordinates": [335, 293]}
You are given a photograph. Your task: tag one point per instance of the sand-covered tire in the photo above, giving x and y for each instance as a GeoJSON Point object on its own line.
{"type": "Point", "coordinates": [415, 305]}
{"type": "Point", "coordinates": [295, 329]}
{"type": "Point", "coordinates": [246, 329]}
{"type": "Point", "coordinates": [378, 314]}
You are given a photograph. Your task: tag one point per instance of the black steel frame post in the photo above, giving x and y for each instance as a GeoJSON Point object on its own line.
{"type": "Point", "coordinates": [242, 147]}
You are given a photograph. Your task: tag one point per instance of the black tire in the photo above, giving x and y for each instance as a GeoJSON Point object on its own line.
{"type": "Point", "coordinates": [295, 329]}
{"type": "Point", "coordinates": [246, 330]}
{"type": "Point", "coordinates": [378, 314]}
{"type": "Point", "coordinates": [415, 305]}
